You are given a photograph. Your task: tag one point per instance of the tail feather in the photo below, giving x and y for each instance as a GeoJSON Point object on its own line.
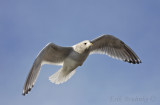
{"type": "Point", "coordinates": [60, 76]}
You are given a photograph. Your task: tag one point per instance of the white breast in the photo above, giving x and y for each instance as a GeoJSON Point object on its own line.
{"type": "Point", "coordinates": [52, 63]}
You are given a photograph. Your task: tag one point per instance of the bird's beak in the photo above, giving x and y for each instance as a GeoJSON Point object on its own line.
{"type": "Point", "coordinates": [91, 44]}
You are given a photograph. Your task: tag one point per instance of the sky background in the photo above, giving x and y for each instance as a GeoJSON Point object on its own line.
{"type": "Point", "coordinates": [26, 26]}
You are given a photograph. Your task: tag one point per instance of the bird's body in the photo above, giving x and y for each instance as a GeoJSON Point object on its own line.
{"type": "Point", "coordinates": [72, 57]}
{"type": "Point", "coordinates": [75, 59]}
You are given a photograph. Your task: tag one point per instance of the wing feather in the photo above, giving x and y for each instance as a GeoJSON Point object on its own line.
{"type": "Point", "coordinates": [51, 53]}
{"type": "Point", "coordinates": [114, 47]}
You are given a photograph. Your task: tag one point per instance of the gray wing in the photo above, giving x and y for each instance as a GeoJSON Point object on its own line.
{"type": "Point", "coordinates": [114, 47]}
{"type": "Point", "coordinates": [51, 53]}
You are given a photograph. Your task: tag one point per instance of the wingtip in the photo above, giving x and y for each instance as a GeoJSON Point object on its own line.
{"type": "Point", "coordinates": [23, 94]}
{"type": "Point", "coordinates": [139, 61]}
{"type": "Point", "coordinates": [26, 91]}
{"type": "Point", "coordinates": [134, 61]}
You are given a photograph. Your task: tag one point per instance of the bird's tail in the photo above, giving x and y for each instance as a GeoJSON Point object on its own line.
{"type": "Point", "coordinates": [61, 76]}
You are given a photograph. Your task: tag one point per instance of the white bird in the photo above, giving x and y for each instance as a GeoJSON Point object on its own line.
{"type": "Point", "coordinates": [72, 57]}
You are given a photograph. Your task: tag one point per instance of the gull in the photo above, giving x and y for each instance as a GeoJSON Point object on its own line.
{"type": "Point", "coordinates": [72, 57]}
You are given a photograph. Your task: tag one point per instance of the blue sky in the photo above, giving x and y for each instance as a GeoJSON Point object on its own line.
{"type": "Point", "coordinates": [26, 26]}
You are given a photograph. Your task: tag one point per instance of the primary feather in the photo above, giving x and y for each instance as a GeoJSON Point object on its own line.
{"type": "Point", "coordinates": [114, 47]}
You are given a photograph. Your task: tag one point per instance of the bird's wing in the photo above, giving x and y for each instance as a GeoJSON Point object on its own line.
{"type": "Point", "coordinates": [51, 53]}
{"type": "Point", "coordinates": [114, 47]}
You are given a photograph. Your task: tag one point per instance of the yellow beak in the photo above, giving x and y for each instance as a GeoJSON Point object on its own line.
{"type": "Point", "coordinates": [91, 44]}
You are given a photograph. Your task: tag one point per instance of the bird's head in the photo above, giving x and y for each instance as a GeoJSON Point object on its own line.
{"type": "Point", "coordinates": [82, 46]}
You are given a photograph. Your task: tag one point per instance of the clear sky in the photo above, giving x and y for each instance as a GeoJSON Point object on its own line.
{"type": "Point", "coordinates": [26, 26]}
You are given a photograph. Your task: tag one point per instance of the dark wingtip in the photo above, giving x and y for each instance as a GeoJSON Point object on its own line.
{"type": "Point", "coordinates": [138, 62]}
{"type": "Point", "coordinates": [133, 61]}
{"type": "Point", "coordinates": [26, 91]}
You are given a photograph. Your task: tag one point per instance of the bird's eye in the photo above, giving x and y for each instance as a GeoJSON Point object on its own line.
{"type": "Point", "coordinates": [85, 43]}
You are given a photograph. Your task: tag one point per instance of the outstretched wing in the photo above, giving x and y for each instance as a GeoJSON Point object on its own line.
{"type": "Point", "coordinates": [50, 54]}
{"type": "Point", "coordinates": [114, 47]}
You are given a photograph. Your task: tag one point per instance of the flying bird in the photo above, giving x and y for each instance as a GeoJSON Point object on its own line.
{"type": "Point", "coordinates": [72, 57]}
